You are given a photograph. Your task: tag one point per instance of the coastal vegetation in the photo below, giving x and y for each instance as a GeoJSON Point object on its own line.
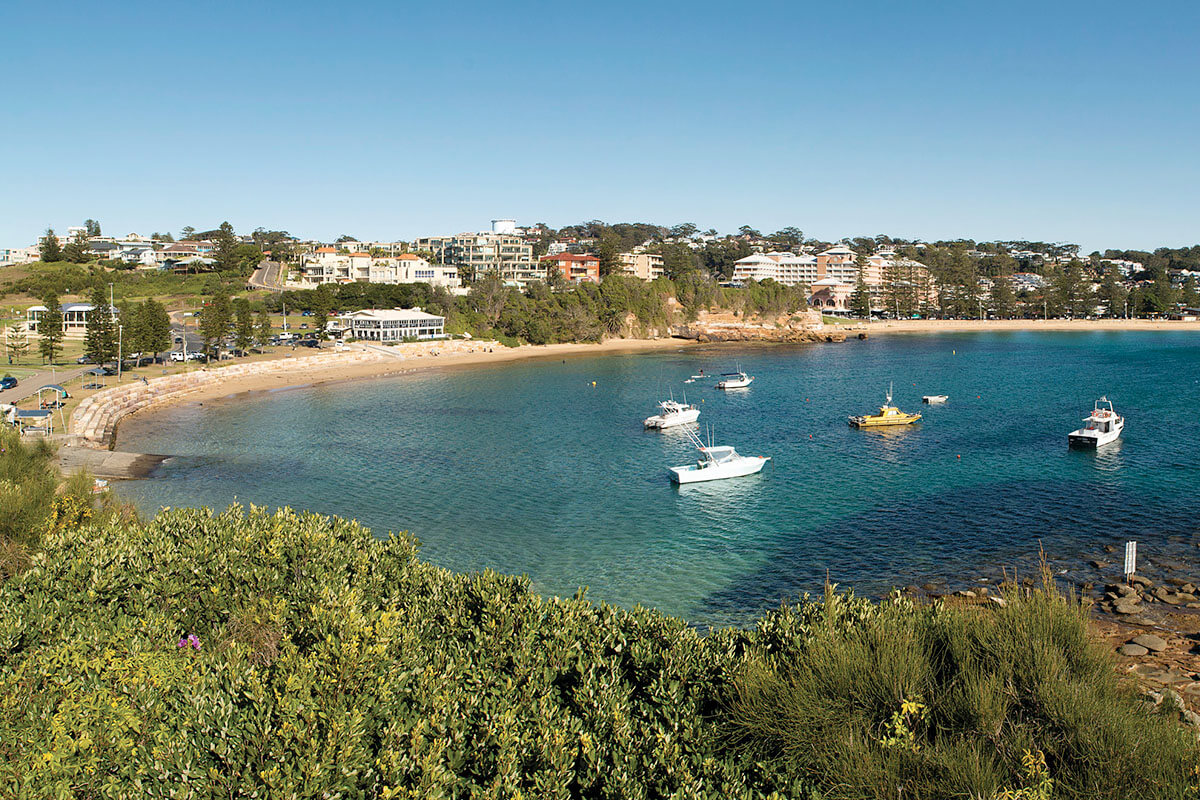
{"type": "Point", "coordinates": [257, 654]}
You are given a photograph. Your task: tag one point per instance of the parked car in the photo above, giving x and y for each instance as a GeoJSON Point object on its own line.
{"type": "Point", "coordinates": [195, 355]}
{"type": "Point", "coordinates": [8, 382]}
{"type": "Point", "coordinates": [83, 360]}
{"type": "Point", "coordinates": [304, 326]}
{"type": "Point", "coordinates": [178, 355]}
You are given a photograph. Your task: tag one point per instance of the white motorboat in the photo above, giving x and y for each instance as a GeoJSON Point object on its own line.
{"type": "Point", "coordinates": [1102, 427]}
{"type": "Point", "coordinates": [716, 463]}
{"type": "Point", "coordinates": [935, 399]}
{"type": "Point", "coordinates": [735, 380]}
{"type": "Point", "coordinates": [673, 413]}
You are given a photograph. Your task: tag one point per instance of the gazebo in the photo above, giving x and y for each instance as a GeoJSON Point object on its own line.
{"type": "Point", "coordinates": [95, 372]}
{"type": "Point", "coordinates": [35, 420]}
{"type": "Point", "coordinates": [57, 395]}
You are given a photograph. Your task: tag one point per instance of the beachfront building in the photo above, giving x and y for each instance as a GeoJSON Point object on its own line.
{"type": "Point", "coordinates": [642, 264]}
{"type": "Point", "coordinates": [574, 267]}
{"type": "Point", "coordinates": [786, 268]}
{"type": "Point", "coordinates": [888, 275]}
{"type": "Point", "coordinates": [476, 254]}
{"type": "Point", "coordinates": [838, 262]}
{"type": "Point", "coordinates": [390, 325]}
{"type": "Point", "coordinates": [75, 317]}
{"type": "Point", "coordinates": [831, 295]}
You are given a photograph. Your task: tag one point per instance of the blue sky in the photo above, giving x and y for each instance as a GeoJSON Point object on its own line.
{"type": "Point", "coordinates": [1059, 121]}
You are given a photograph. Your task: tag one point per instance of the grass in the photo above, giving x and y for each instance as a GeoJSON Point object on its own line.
{"type": "Point", "coordinates": [937, 702]}
{"type": "Point", "coordinates": [828, 320]}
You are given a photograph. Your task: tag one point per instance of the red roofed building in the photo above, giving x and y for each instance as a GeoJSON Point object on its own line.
{"type": "Point", "coordinates": [574, 267]}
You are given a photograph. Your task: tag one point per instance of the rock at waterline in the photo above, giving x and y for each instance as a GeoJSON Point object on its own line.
{"type": "Point", "coordinates": [1150, 642]}
{"type": "Point", "coordinates": [1126, 608]}
{"type": "Point", "coordinates": [1132, 650]}
{"type": "Point", "coordinates": [1099, 564]}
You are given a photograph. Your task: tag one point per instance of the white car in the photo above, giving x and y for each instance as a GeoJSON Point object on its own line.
{"type": "Point", "coordinates": [178, 355]}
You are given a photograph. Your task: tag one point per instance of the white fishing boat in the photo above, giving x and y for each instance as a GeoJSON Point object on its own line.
{"type": "Point", "coordinates": [1102, 427]}
{"type": "Point", "coordinates": [716, 463]}
{"type": "Point", "coordinates": [935, 399]}
{"type": "Point", "coordinates": [673, 413]}
{"type": "Point", "coordinates": [735, 380]}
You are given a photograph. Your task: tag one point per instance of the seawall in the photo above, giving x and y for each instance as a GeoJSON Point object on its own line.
{"type": "Point", "coordinates": [94, 422]}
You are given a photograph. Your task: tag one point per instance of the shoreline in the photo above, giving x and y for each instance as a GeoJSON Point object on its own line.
{"type": "Point", "coordinates": [308, 377]}
{"type": "Point", "coordinates": [1015, 325]}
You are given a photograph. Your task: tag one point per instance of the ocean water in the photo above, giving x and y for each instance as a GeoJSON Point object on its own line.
{"type": "Point", "coordinates": [528, 468]}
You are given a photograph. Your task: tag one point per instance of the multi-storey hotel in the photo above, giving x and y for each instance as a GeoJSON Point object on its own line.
{"type": "Point", "coordinates": [832, 274]}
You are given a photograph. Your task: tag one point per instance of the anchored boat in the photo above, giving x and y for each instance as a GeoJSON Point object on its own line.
{"type": "Point", "coordinates": [1103, 426]}
{"type": "Point", "coordinates": [673, 413]}
{"type": "Point", "coordinates": [888, 415]}
{"type": "Point", "coordinates": [735, 380]}
{"type": "Point", "coordinates": [935, 399]}
{"type": "Point", "coordinates": [716, 463]}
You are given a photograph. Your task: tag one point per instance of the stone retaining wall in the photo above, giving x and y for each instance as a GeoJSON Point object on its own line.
{"type": "Point", "coordinates": [95, 420]}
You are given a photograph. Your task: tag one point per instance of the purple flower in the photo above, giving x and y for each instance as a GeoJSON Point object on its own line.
{"type": "Point", "coordinates": [194, 641]}
{"type": "Point", "coordinates": [182, 643]}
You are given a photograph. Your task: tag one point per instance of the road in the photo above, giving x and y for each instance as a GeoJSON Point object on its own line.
{"type": "Point", "coordinates": [28, 387]}
{"type": "Point", "coordinates": [267, 276]}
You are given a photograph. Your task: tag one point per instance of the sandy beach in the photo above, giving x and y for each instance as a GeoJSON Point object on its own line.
{"type": "Point", "coordinates": [1005, 325]}
{"type": "Point", "coordinates": [308, 376]}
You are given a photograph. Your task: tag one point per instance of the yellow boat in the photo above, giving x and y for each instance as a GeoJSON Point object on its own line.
{"type": "Point", "coordinates": [888, 415]}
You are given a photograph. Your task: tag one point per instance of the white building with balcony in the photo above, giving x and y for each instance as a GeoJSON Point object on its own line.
{"type": "Point", "coordinates": [391, 325]}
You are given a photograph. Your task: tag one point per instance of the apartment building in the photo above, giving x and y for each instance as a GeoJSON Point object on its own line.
{"type": "Point", "coordinates": [641, 264]}
{"type": "Point", "coordinates": [477, 254]}
{"type": "Point", "coordinates": [575, 267]}
{"type": "Point", "coordinates": [327, 265]}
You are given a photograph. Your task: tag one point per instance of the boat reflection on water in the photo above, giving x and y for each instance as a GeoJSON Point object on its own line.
{"type": "Point", "coordinates": [1106, 459]}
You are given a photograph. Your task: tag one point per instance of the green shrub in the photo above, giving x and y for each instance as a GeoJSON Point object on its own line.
{"type": "Point", "coordinates": [333, 662]}
{"type": "Point", "coordinates": [255, 654]}
{"type": "Point", "coordinates": [934, 702]}
{"type": "Point", "coordinates": [27, 482]}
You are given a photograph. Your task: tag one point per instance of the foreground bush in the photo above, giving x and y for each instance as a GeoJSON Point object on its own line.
{"type": "Point", "coordinates": [286, 655]}
{"type": "Point", "coordinates": [933, 702]}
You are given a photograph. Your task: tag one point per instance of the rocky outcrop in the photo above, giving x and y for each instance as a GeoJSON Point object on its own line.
{"type": "Point", "coordinates": [803, 327]}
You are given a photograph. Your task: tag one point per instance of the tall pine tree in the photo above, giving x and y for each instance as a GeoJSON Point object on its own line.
{"type": "Point", "coordinates": [860, 300]}
{"type": "Point", "coordinates": [50, 329]}
{"type": "Point", "coordinates": [50, 250]}
{"type": "Point", "coordinates": [76, 250]}
{"type": "Point", "coordinates": [100, 340]}
{"type": "Point", "coordinates": [243, 327]}
{"type": "Point", "coordinates": [215, 319]}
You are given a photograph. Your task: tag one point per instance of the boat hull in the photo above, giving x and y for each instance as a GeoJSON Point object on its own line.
{"type": "Point", "coordinates": [886, 422]}
{"type": "Point", "coordinates": [692, 473]}
{"type": "Point", "coordinates": [934, 399]}
{"type": "Point", "coordinates": [1090, 440]}
{"type": "Point", "coordinates": [661, 422]}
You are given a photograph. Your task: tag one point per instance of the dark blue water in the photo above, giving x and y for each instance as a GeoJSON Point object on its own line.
{"type": "Point", "coordinates": [528, 468]}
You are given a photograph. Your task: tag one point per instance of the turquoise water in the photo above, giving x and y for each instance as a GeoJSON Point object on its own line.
{"type": "Point", "coordinates": [528, 468]}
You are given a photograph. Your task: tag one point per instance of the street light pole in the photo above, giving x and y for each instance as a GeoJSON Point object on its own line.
{"type": "Point", "coordinates": [120, 358]}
